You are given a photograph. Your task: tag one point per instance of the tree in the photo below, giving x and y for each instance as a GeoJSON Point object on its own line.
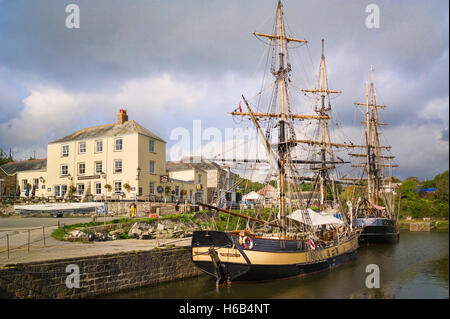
{"type": "Point", "coordinates": [4, 158]}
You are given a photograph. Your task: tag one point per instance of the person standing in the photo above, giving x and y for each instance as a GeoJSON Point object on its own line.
{"type": "Point", "coordinates": [133, 210]}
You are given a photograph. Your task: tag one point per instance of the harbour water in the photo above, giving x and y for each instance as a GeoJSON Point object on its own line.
{"type": "Point", "coordinates": [416, 267]}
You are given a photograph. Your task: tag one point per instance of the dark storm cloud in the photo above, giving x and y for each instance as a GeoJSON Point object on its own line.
{"type": "Point", "coordinates": [199, 43]}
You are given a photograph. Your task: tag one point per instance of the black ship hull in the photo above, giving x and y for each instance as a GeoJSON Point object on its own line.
{"type": "Point", "coordinates": [380, 230]}
{"type": "Point", "coordinates": [219, 254]}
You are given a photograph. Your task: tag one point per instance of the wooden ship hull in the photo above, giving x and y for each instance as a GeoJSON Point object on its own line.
{"type": "Point", "coordinates": [377, 230]}
{"type": "Point", "coordinates": [225, 256]}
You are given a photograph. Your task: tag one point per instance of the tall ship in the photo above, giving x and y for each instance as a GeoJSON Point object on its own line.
{"type": "Point", "coordinates": [301, 232]}
{"type": "Point", "coordinates": [373, 210]}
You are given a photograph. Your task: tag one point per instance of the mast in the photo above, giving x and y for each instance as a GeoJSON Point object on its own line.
{"type": "Point", "coordinates": [280, 79]}
{"type": "Point", "coordinates": [373, 165]}
{"type": "Point", "coordinates": [281, 122]}
{"type": "Point", "coordinates": [322, 112]}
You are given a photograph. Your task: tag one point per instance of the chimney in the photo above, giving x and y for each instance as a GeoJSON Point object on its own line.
{"type": "Point", "coordinates": [122, 117]}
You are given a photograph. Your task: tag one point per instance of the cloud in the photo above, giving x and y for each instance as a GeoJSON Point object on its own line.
{"type": "Point", "coordinates": [52, 112]}
{"type": "Point", "coordinates": [172, 62]}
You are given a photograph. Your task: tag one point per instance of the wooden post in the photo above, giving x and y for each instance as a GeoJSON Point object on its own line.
{"type": "Point", "coordinates": [43, 234]}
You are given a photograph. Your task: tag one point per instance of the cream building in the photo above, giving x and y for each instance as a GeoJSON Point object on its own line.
{"type": "Point", "coordinates": [181, 174]}
{"type": "Point", "coordinates": [123, 155]}
{"type": "Point", "coordinates": [31, 174]}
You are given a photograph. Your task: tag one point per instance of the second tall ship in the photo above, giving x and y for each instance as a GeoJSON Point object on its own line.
{"type": "Point", "coordinates": [374, 211]}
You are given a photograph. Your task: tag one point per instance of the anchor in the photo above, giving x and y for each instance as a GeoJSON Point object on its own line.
{"type": "Point", "coordinates": [219, 268]}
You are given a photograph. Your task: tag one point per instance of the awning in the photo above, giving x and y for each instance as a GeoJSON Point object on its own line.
{"type": "Point", "coordinates": [317, 219]}
{"type": "Point", "coordinates": [252, 196]}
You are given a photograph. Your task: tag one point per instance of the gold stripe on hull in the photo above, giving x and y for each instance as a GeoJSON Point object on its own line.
{"type": "Point", "coordinates": [228, 255]}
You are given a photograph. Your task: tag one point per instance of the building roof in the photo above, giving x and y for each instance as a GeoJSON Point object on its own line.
{"type": "Point", "coordinates": [204, 164]}
{"type": "Point", "coordinates": [115, 129]}
{"type": "Point", "coordinates": [181, 181]}
{"type": "Point", "coordinates": [31, 165]}
{"type": "Point", "coordinates": [180, 166]}
{"type": "Point", "coordinates": [267, 190]}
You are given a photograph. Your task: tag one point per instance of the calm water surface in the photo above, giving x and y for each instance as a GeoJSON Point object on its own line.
{"type": "Point", "coordinates": [416, 267]}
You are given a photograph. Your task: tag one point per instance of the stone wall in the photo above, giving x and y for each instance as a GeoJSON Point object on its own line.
{"type": "Point", "coordinates": [99, 275]}
{"type": "Point", "coordinates": [143, 208]}
{"type": "Point", "coordinates": [420, 227]}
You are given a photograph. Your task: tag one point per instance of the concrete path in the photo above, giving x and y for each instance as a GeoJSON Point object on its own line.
{"type": "Point", "coordinates": [17, 229]}
{"type": "Point", "coordinates": [55, 249]}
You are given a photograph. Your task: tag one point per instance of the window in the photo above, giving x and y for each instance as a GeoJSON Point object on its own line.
{"type": "Point", "coordinates": [63, 190]}
{"type": "Point", "coordinates": [152, 167]}
{"type": "Point", "coordinates": [65, 150]}
{"type": "Point", "coordinates": [117, 187]}
{"type": "Point", "coordinates": [80, 189]}
{"type": "Point", "coordinates": [118, 145]}
{"type": "Point", "coordinates": [64, 170]}
{"type": "Point", "coordinates": [98, 188]}
{"type": "Point", "coordinates": [152, 188]}
{"type": "Point", "coordinates": [82, 147]}
{"type": "Point", "coordinates": [199, 178]}
{"type": "Point", "coordinates": [81, 168]}
{"type": "Point", "coordinates": [36, 183]}
{"type": "Point", "coordinates": [177, 190]}
{"type": "Point", "coordinates": [57, 191]}
{"type": "Point", "coordinates": [60, 190]}
{"type": "Point", "coordinates": [98, 167]}
{"type": "Point", "coordinates": [152, 146]}
{"type": "Point", "coordinates": [140, 191]}
{"type": "Point", "coordinates": [117, 166]}
{"type": "Point", "coordinates": [98, 146]}
{"type": "Point", "coordinates": [24, 184]}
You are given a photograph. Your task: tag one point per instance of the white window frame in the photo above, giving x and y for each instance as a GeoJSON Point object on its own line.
{"type": "Point", "coordinates": [64, 154]}
{"type": "Point", "coordinates": [115, 144]}
{"type": "Point", "coordinates": [65, 190]}
{"type": "Point", "coordinates": [61, 170]}
{"type": "Point", "coordinates": [151, 190]}
{"type": "Point", "coordinates": [152, 171]}
{"type": "Point", "coordinates": [115, 188]}
{"type": "Point", "coordinates": [84, 168]}
{"type": "Point", "coordinates": [96, 146]}
{"type": "Point", "coordinates": [115, 167]}
{"type": "Point", "coordinates": [95, 167]}
{"type": "Point", "coordinates": [151, 146]}
{"type": "Point", "coordinates": [36, 183]}
{"type": "Point", "coordinates": [79, 188]}
{"type": "Point", "coordinates": [80, 151]}
{"type": "Point", "coordinates": [100, 188]}
{"type": "Point", "coordinates": [57, 190]}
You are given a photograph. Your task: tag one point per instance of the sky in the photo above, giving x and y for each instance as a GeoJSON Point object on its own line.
{"type": "Point", "coordinates": [174, 63]}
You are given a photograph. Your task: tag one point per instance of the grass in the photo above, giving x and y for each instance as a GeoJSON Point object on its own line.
{"type": "Point", "coordinates": [60, 232]}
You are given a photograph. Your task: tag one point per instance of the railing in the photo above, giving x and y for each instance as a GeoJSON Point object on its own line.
{"type": "Point", "coordinates": [39, 236]}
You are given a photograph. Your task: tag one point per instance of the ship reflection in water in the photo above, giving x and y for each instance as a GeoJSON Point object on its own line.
{"type": "Point", "coordinates": [416, 267]}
